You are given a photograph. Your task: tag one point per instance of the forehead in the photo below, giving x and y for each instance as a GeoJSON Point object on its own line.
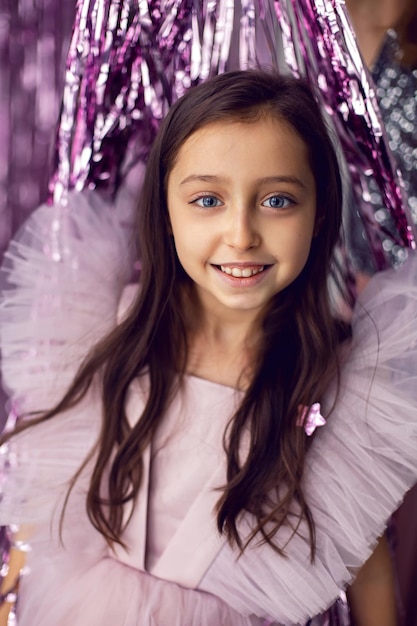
{"type": "Point", "coordinates": [268, 143]}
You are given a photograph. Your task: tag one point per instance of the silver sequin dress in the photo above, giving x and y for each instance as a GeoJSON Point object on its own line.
{"type": "Point", "coordinates": [396, 90]}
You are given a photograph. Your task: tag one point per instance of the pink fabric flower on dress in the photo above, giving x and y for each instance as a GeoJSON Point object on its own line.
{"type": "Point", "coordinates": [310, 417]}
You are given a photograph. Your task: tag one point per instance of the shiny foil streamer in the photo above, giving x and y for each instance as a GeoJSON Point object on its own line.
{"type": "Point", "coordinates": [5, 545]}
{"type": "Point", "coordinates": [319, 43]}
{"type": "Point", "coordinates": [128, 62]}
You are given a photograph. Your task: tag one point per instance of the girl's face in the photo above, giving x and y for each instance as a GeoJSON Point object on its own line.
{"type": "Point", "coordinates": [242, 205]}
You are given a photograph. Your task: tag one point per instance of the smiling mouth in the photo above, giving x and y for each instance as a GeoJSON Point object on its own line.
{"type": "Point", "coordinates": [242, 272]}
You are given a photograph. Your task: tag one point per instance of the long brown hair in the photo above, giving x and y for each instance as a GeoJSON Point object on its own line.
{"type": "Point", "coordinates": [298, 355]}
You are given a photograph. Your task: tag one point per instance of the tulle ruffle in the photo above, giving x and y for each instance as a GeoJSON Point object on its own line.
{"type": "Point", "coordinates": [60, 285]}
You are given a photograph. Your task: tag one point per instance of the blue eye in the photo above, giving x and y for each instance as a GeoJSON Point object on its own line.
{"type": "Point", "coordinates": [207, 202]}
{"type": "Point", "coordinates": [277, 202]}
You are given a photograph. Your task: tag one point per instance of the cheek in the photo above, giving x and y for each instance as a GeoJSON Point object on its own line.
{"type": "Point", "coordinates": [304, 244]}
{"type": "Point", "coordinates": [178, 229]}
{"type": "Point", "coordinates": [293, 249]}
{"type": "Point", "coordinates": [191, 238]}
{"type": "Point", "coordinates": [185, 246]}
{"type": "Point", "coordinates": [294, 241]}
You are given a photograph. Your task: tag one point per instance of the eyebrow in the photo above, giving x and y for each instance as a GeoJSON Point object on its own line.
{"type": "Point", "coordinates": [207, 178]}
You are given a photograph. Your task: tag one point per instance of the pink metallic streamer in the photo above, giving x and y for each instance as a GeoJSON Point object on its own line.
{"type": "Point", "coordinates": [128, 62]}
{"type": "Point", "coordinates": [319, 43]}
{"type": "Point", "coordinates": [247, 48]}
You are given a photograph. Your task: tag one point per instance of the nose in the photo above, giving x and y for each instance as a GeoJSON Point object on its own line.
{"type": "Point", "coordinates": [241, 232]}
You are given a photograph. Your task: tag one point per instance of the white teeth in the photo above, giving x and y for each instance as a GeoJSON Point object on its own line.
{"type": "Point", "coordinates": [241, 273]}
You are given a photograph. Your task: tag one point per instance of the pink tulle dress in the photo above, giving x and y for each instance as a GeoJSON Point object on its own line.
{"type": "Point", "coordinates": [62, 293]}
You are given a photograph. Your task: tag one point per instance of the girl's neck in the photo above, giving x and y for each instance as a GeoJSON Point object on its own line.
{"type": "Point", "coordinates": [370, 20]}
{"type": "Point", "coordinates": [222, 350]}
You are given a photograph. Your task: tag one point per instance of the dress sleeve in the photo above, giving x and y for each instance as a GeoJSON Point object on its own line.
{"type": "Point", "coordinates": [358, 469]}
{"type": "Point", "coordinates": [60, 286]}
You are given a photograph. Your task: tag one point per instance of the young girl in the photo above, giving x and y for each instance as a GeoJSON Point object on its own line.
{"type": "Point", "coordinates": [171, 479]}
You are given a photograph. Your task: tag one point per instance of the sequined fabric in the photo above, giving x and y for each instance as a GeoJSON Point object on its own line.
{"type": "Point", "coordinates": [396, 91]}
